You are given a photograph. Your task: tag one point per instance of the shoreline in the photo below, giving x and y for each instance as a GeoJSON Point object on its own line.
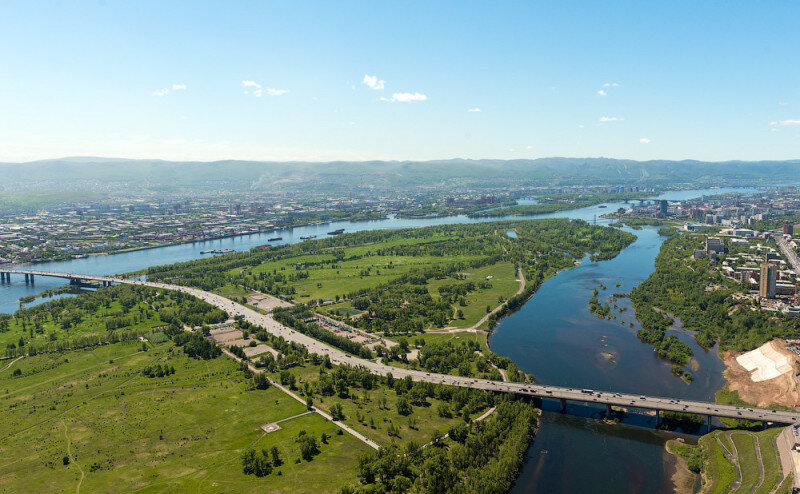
{"type": "Point", "coordinates": [677, 468]}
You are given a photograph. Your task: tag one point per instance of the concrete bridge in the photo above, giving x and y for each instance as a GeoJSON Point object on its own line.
{"type": "Point", "coordinates": [609, 399]}
{"type": "Point", "coordinates": [74, 279]}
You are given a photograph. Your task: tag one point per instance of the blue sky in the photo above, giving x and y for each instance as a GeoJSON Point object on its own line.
{"type": "Point", "coordinates": [399, 80]}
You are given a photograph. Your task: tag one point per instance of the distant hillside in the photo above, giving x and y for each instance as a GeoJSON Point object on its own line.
{"type": "Point", "coordinates": [342, 175]}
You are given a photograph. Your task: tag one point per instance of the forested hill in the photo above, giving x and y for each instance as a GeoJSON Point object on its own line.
{"type": "Point", "coordinates": [334, 175]}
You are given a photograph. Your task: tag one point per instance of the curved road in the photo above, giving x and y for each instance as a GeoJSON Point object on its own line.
{"type": "Point", "coordinates": [337, 356]}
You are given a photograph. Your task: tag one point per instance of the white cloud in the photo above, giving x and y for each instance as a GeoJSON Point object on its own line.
{"type": "Point", "coordinates": [783, 123]}
{"type": "Point", "coordinates": [474, 110]}
{"type": "Point", "coordinates": [372, 82]}
{"type": "Point", "coordinates": [528, 147]}
{"type": "Point", "coordinates": [610, 84]}
{"type": "Point", "coordinates": [406, 97]}
{"type": "Point", "coordinates": [611, 119]}
{"type": "Point", "coordinates": [165, 91]}
{"type": "Point", "coordinates": [580, 126]}
{"type": "Point", "coordinates": [644, 140]}
{"type": "Point", "coordinates": [782, 103]}
{"type": "Point", "coordinates": [259, 90]}
{"type": "Point", "coordinates": [602, 93]}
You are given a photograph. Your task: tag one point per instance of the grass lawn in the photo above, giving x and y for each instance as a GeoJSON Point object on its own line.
{"type": "Point", "coordinates": [37, 330]}
{"type": "Point", "coordinates": [504, 284]}
{"type": "Point", "coordinates": [443, 337]}
{"type": "Point", "coordinates": [769, 456]}
{"type": "Point", "coordinates": [748, 462]}
{"type": "Point", "coordinates": [362, 268]}
{"type": "Point", "coordinates": [233, 291]}
{"type": "Point", "coordinates": [719, 471]}
{"type": "Point", "coordinates": [126, 432]}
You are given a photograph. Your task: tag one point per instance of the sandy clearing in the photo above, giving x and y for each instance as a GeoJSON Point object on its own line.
{"type": "Point", "coordinates": [777, 361]}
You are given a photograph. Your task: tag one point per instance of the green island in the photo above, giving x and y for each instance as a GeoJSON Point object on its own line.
{"type": "Point", "coordinates": [559, 202]}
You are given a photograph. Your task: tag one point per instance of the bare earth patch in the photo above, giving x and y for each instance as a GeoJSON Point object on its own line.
{"type": "Point", "coordinates": [770, 378]}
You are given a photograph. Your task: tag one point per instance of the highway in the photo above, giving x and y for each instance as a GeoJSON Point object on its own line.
{"type": "Point", "coordinates": [564, 394]}
{"type": "Point", "coordinates": [788, 252]}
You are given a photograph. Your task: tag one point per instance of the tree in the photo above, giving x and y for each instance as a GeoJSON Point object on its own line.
{"type": "Point", "coordinates": [458, 433]}
{"type": "Point", "coordinates": [308, 447]}
{"type": "Point", "coordinates": [403, 406]}
{"type": "Point", "coordinates": [336, 411]}
{"type": "Point", "coordinates": [256, 462]}
{"type": "Point", "coordinates": [260, 381]}
{"type": "Point", "coordinates": [276, 456]}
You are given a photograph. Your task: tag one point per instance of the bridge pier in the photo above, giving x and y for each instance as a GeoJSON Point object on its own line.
{"type": "Point", "coordinates": [658, 417]}
{"type": "Point", "coordinates": [608, 410]}
{"type": "Point", "coordinates": [563, 405]}
{"type": "Point", "coordinates": [3, 277]}
{"type": "Point", "coordinates": [708, 423]}
{"type": "Point", "coordinates": [27, 278]}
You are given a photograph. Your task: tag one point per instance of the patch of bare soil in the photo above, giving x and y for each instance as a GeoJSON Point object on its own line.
{"type": "Point", "coordinates": [781, 390]}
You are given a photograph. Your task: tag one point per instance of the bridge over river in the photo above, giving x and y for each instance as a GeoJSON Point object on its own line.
{"type": "Point", "coordinates": [562, 394]}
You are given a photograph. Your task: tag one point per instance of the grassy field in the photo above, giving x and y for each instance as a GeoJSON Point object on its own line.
{"type": "Point", "coordinates": [504, 284]}
{"type": "Point", "coordinates": [363, 268]}
{"type": "Point", "coordinates": [43, 330]}
{"type": "Point", "coordinates": [769, 457]}
{"type": "Point", "coordinates": [371, 412]}
{"type": "Point", "coordinates": [719, 472]}
{"type": "Point", "coordinates": [443, 337]}
{"type": "Point", "coordinates": [125, 432]}
{"type": "Point", "coordinates": [748, 462]}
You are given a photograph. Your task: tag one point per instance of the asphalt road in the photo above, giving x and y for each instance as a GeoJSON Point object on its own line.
{"type": "Point", "coordinates": [535, 390]}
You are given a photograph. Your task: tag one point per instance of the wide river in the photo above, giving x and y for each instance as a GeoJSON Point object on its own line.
{"type": "Point", "coordinates": [554, 337]}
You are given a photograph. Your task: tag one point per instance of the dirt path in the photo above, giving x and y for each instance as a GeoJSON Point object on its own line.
{"type": "Point", "coordinates": [12, 362]}
{"type": "Point", "coordinates": [733, 457]}
{"type": "Point", "coordinates": [72, 459]}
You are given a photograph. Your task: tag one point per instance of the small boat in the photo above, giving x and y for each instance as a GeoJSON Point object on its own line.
{"type": "Point", "coordinates": [273, 239]}
{"type": "Point", "coordinates": [308, 237]}
{"type": "Point", "coordinates": [336, 232]}
{"type": "Point", "coordinates": [602, 206]}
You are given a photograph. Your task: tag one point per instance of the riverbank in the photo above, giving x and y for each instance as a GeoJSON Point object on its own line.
{"type": "Point", "coordinates": [683, 479]}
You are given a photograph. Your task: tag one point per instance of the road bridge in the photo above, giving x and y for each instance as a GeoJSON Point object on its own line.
{"type": "Point", "coordinates": [563, 394]}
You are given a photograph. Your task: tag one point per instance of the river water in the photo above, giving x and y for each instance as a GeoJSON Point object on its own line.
{"type": "Point", "coordinates": [554, 337]}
